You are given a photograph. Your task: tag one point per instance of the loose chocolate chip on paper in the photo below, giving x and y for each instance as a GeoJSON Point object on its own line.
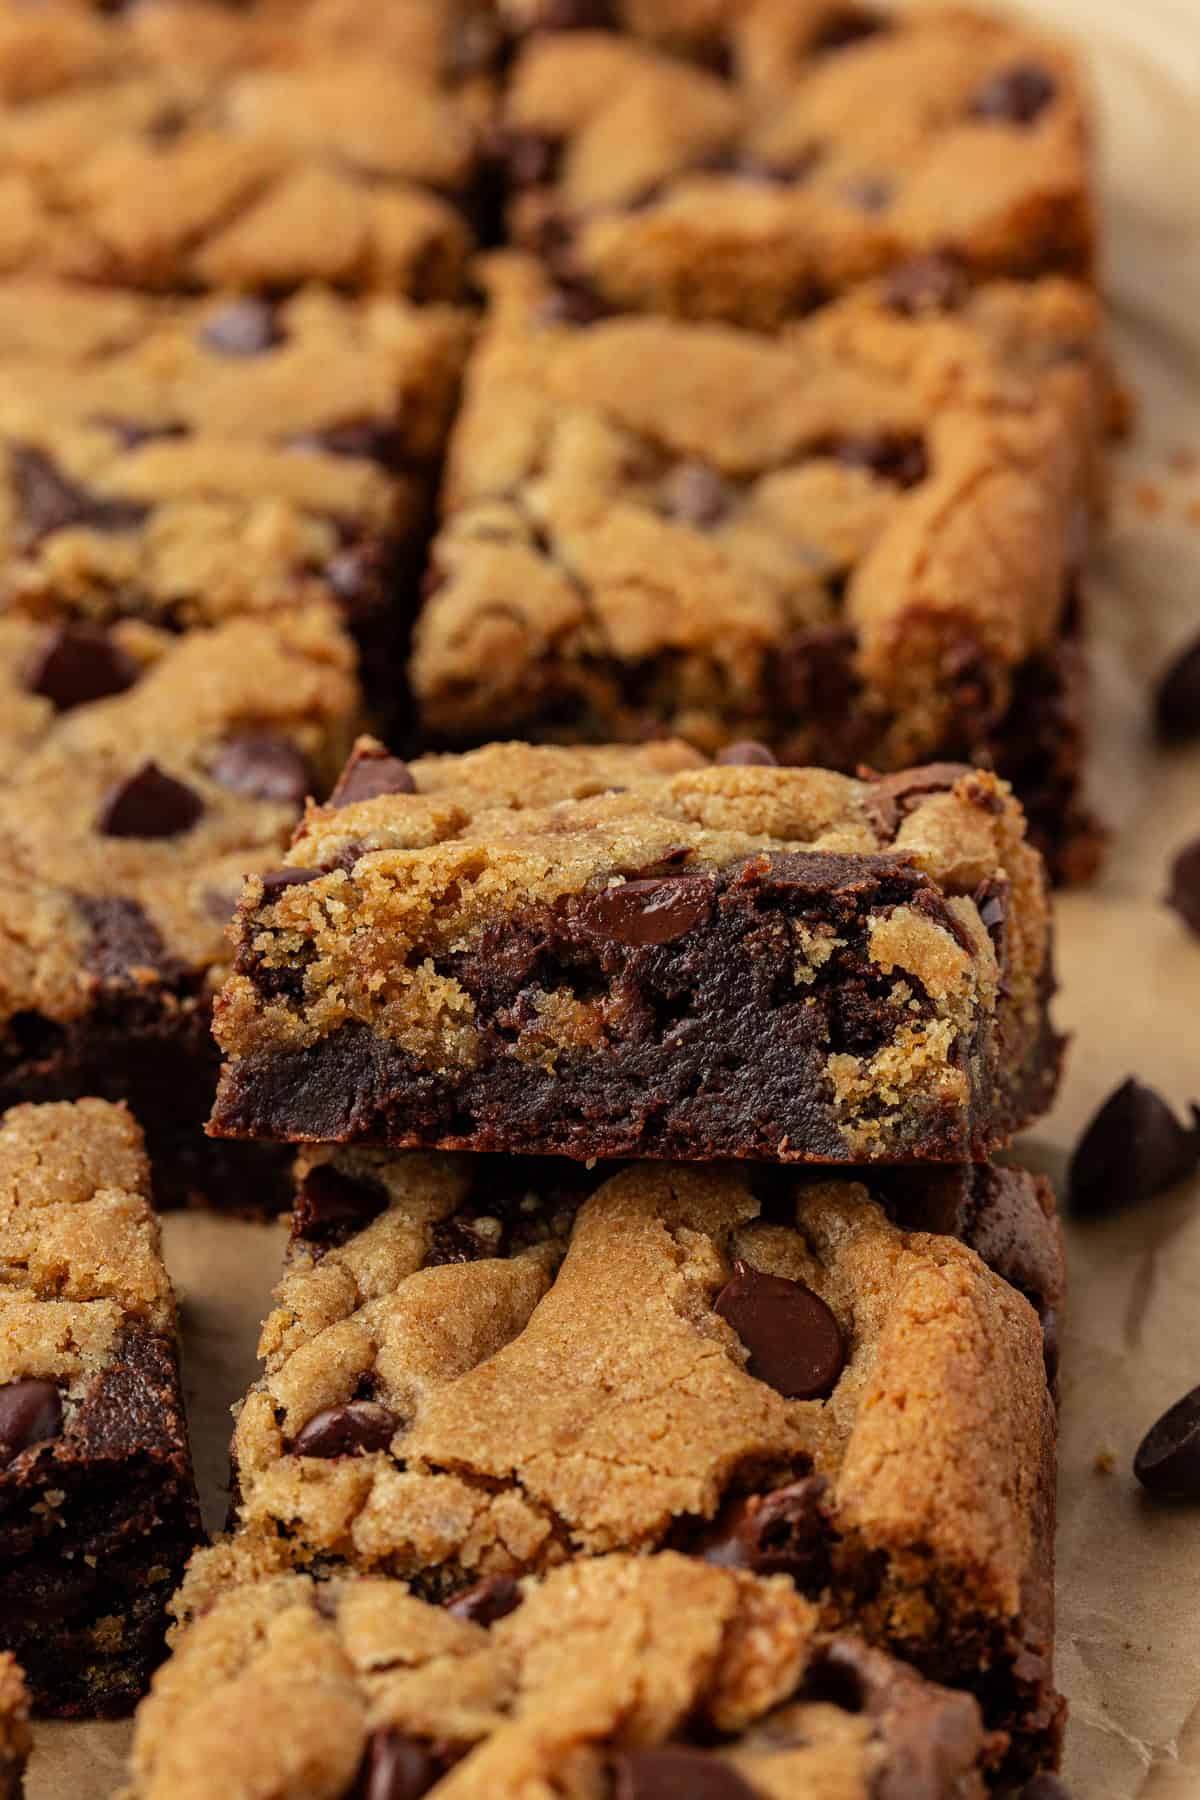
{"type": "Point", "coordinates": [31, 1413]}
{"type": "Point", "coordinates": [642, 913]}
{"type": "Point", "coordinates": [246, 328]}
{"type": "Point", "coordinates": [1168, 1457]}
{"type": "Point", "coordinates": [275, 881]}
{"type": "Point", "coordinates": [794, 1341]}
{"type": "Point", "coordinates": [747, 755]}
{"type": "Point", "coordinates": [675, 1770]}
{"type": "Point", "coordinates": [1133, 1148]}
{"type": "Point", "coordinates": [369, 773]}
{"type": "Point", "coordinates": [396, 1767]}
{"type": "Point", "coordinates": [78, 664]}
{"type": "Point", "coordinates": [1177, 703]}
{"type": "Point", "coordinates": [1015, 96]}
{"type": "Point", "coordinates": [150, 804]}
{"type": "Point", "coordinates": [349, 1430]}
{"type": "Point", "coordinates": [1184, 891]}
{"type": "Point", "coordinates": [489, 1600]}
{"type": "Point", "coordinates": [263, 767]}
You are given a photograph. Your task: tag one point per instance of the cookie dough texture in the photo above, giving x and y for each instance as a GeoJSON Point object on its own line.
{"type": "Point", "coordinates": [287, 1686]}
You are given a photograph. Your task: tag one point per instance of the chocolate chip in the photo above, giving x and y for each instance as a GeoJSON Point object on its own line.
{"type": "Point", "coordinates": [50, 502]}
{"type": "Point", "coordinates": [991, 900]}
{"type": "Point", "coordinates": [647, 912]}
{"type": "Point", "coordinates": [1133, 1148]}
{"type": "Point", "coordinates": [369, 773]}
{"type": "Point", "coordinates": [262, 766]}
{"type": "Point", "coordinates": [1184, 891]}
{"type": "Point", "coordinates": [1177, 703]}
{"type": "Point", "coordinates": [454, 1241]}
{"type": "Point", "coordinates": [1168, 1457]}
{"type": "Point", "coordinates": [575, 15]}
{"type": "Point", "coordinates": [125, 942]}
{"type": "Point", "coordinates": [79, 664]}
{"type": "Point", "coordinates": [487, 1601]}
{"type": "Point", "coordinates": [349, 1430]}
{"type": "Point", "coordinates": [569, 303]}
{"type": "Point", "coordinates": [31, 1413]}
{"type": "Point", "coordinates": [848, 27]}
{"type": "Point", "coordinates": [248, 327]}
{"type": "Point", "coordinates": [332, 1206]}
{"type": "Point", "coordinates": [747, 755]}
{"type": "Point", "coordinates": [695, 493]}
{"type": "Point", "coordinates": [133, 433]}
{"type": "Point", "coordinates": [371, 440]}
{"type": "Point", "coordinates": [532, 159]}
{"type": "Point", "coordinates": [873, 193]}
{"type": "Point", "coordinates": [396, 1767]}
{"type": "Point", "coordinates": [893, 457]}
{"type": "Point", "coordinates": [150, 804]}
{"type": "Point", "coordinates": [794, 1340]}
{"type": "Point", "coordinates": [275, 881]}
{"type": "Point", "coordinates": [891, 798]}
{"type": "Point", "coordinates": [673, 1771]}
{"type": "Point", "coordinates": [936, 283]}
{"type": "Point", "coordinates": [1015, 96]}
{"type": "Point", "coordinates": [784, 1532]}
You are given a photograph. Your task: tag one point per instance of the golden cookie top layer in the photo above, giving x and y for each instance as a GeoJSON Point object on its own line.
{"type": "Point", "coordinates": [80, 1249]}
{"type": "Point", "coordinates": [829, 154]}
{"type": "Point", "coordinates": [282, 1685]}
{"type": "Point", "coordinates": [471, 1372]}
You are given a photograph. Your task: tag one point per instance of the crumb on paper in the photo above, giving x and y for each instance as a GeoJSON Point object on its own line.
{"type": "Point", "coordinates": [1105, 1463]}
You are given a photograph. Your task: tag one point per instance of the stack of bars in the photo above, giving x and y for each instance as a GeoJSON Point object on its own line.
{"type": "Point", "coordinates": [708, 396]}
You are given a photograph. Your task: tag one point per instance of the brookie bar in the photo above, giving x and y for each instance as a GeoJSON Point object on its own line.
{"type": "Point", "coordinates": [98, 1505]}
{"type": "Point", "coordinates": [481, 1367]}
{"type": "Point", "coordinates": [634, 952]}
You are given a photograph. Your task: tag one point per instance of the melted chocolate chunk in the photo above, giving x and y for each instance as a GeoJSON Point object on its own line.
{"type": "Point", "coordinates": [794, 1341]}
{"type": "Point", "coordinates": [79, 664]}
{"type": "Point", "coordinates": [640, 913]}
{"type": "Point", "coordinates": [1168, 1457]}
{"type": "Point", "coordinates": [489, 1600]}
{"type": "Point", "coordinates": [893, 457]}
{"type": "Point", "coordinates": [1177, 703]}
{"type": "Point", "coordinates": [455, 1241]}
{"type": "Point", "coordinates": [1184, 891]}
{"type": "Point", "coordinates": [150, 804]}
{"type": "Point", "coordinates": [935, 283]}
{"type": "Point", "coordinates": [31, 1412]}
{"type": "Point", "coordinates": [396, 1767]}
{"type": "Point", "coordinates": [49, 501]}
{"type": "Point", "coordinates": [350, 1430]}
{"type": "Point", "coordinates": [784, 1532]}
{"type": "Point", "coordinates": [1133, 1149]}
{"type": "Point", "coordinates": [274, 881]}
{"type": "Point", "coordinates": [747, 755]}
{"type": "Point", "coordinates": [370, 772]}
{"type": "Point", "coordinates": [262, 766]}
{"type": "Point", "coordinates": [248, 327]}
{"type": "Point", "coordinates": [891, 798]}
{"type": "Point", "coordinates": [991, 897]}
{"type": "Point", "coordinates": [332, 1206]}
{"type": "Point", "coordinates": [124, 942]}
{"type": "Point", "coordinates": [1015, 96]}
{"type": "Point", "coordinates": [675, 1770]}
{"type": "Point", "coordinates": [694, 493]}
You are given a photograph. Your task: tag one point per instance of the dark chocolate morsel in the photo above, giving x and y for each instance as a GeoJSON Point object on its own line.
{"type": "Point", "coordinates": [647, 912]}
{"type": "Point", "coordinates": [50, 501]}
{"type": "Point", "coordinates": [1177, 703]}
{"type": "Point", "coordinates": [331, 1205]}
{"type": "Point", "coordinates": [1015, 96]}
{"type": "Point", "coordinates": [31, 1413]}
{"type": "Point", "coordinates": [274, 881]}
{"type": "Point", "coordinates": [1133, 1148]}
{"type": "Point", "coordinates": [262, 766]}
{"type": "Point", "coordinates": [371, 440]}
{"type": "Point", "coordinates": [747, 755]}
{"type": "Point", "coordinates": [78, 664]}
{"type": "Point", "coordinates": [893, 457]}
{"type": "Point", "coordinates": [396, 1767]}
{"type": "Point", "coordinates": [349, 1430]}
{"type": "Point", "coordinates": [696, 494]}
{"type": "Point", "coordinates": [935, 283]}
{"type": "Point", "coordinates": [489, 1600]}
{"type": "Point", "coordinates": [794, 1341]}
{"type": "Point", "coordinates": [370, 772]}
{"type": "Point", "coordinates": [532, 158]}
{"type": "Point", "coordinates": [783, 1532]}
{"type": "Point", "coordinates": [133, 433]}
{"type": "Point", "coordinates": [150, 804]}
{"type": "Point", "coordinates": [1184, 891]}
{"type": "Point", "coordinates": [125, 941]}
{"type": "Point", "coordinates": [1168, 1457]}
{"type": "Point", "coordinates": [673, 1771]}
{"type": "Point", "coordinates": [246, 327]}
{"type": "Point", "coordinates": [890, 797]}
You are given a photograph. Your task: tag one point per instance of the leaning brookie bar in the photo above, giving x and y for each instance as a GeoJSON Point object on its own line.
{"type": "Point", "coordinates": [644, 1679]}
{"type": "Point", "coordinates": [634, 952]}
{"type": "Point", "coordinates": [97, 1502]}
{"type": "Point", "coordinates": [480, 1367]}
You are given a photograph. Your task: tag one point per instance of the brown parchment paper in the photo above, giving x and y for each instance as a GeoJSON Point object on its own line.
{"type": "Point", "coordinates": [1129, 1570]}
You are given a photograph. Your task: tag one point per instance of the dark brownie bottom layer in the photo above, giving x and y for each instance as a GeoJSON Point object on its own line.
{"type": "Point", "coordinates": [709, 1045]}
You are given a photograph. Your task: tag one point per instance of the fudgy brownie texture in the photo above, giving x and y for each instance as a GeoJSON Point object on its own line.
{"type": "Point", "coordinates": [633, 952]}
{"type": "Point", "coordinates": [188, 462]}
{"type": "Point", "coordinates": [186, 145]}
{"type": "Point", "coordinates": [98, 1505]}
{"type": "Point", "coordinates": [640, 1678]}
{"type": "Point", "coordinates": [481, 1367]}
{"type": "Point", "coordinates": [146, 773]}
{"type": "Point", "coordinates": [16, 1739]}
{"type": "Point", "coordinates": [857, 541]}
{"type": "Point", "coordinates": [817, 160]}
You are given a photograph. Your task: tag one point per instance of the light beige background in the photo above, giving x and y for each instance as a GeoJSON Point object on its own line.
{"type": "Point", "coordinates": [1129, 1571]}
